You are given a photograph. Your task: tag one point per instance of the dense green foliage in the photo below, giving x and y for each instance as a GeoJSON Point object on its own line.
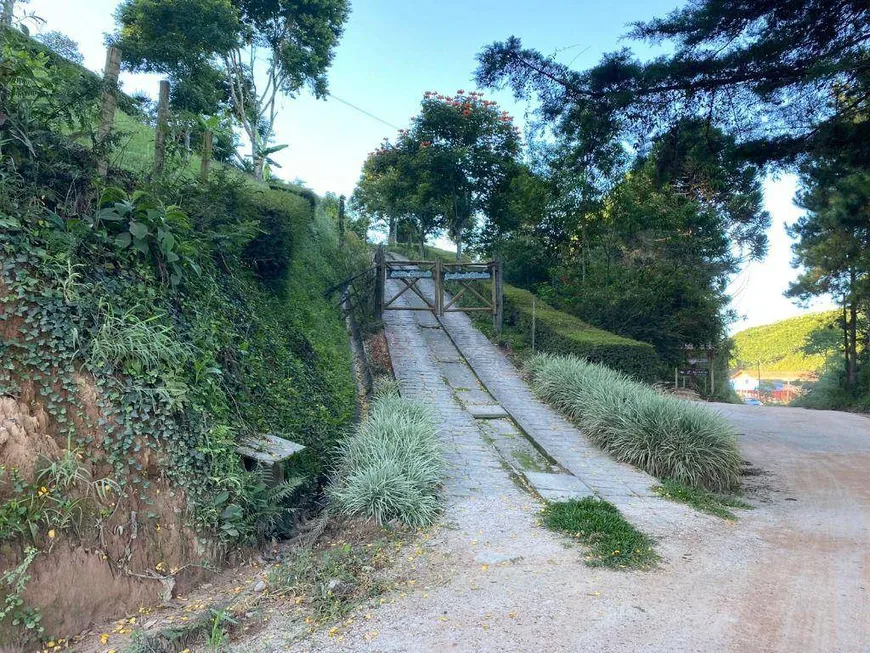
{"type": "Point", "coordinates": [561, 333]}
{"type": "Point", "coordinates": [454, 162]}
{"type": "Point", "coordinates": [210, 48]}
{"type": "Point", "coordinates": [390, 467]}
{"type": "Point", "coordinates": [833, 246]}
{"type": "Point", "coordinates": [184, 368]}
{"type": "Point", "coordinates": [787, 76]}
{"type": "Point", "coordinates": [785, 82]}
{"type": "Point", "coordinates": [664, 436]}
{"type": "Point", "coordinates": [613, 542]}
{"type": "Point", "coordinates": [156, 322]}
{"type": "Point", "coordinates": [791, 345]}
{"type": "Point", "coordinates": [650, 257]}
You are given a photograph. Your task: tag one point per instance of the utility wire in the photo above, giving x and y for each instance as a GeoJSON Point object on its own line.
{"type": "Point", "coordinates": [363, 111]}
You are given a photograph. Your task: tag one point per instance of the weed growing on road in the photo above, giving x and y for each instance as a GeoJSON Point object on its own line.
{"type": "Point", "coordinates": [612, 541]}
{"type": "Point", "coordinates": [664, 436]}
{"type": "Point", "coordinates": [702, 500]}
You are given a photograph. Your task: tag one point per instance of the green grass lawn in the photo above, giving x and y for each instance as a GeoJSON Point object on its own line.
{"type": "Point", "coordinates": [612, 541]}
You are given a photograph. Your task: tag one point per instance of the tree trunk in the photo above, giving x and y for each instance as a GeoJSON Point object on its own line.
{"type": "Point", "coordinates": [259, 164]}
{"type": "Point", "coordinates": [422, 244]}
{"type": "Point", "coordinates": [391, 235]}
{"type": "Point", "coordinates": [852, 371]}
{"type": "Point", "coordinates": [459, 248]}
{"type": "Point", "coordinates": [846, 350]}
{"type": "Point", "coordinates": [8, 9]}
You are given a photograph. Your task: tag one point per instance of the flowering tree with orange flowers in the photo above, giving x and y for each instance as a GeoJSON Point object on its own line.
{"type": "Point", "coordinates": [446, 170]}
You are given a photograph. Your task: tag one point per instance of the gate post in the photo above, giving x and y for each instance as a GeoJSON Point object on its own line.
{"type": "Point", "coordinates": [380, 281]}
{"type": "Point", "coordinates": [497, 296]}
{"type": "Point", "coordinates": [439, 289]}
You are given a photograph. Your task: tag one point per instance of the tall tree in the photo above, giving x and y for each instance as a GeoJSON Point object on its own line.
{"type": "Point", "coordinates": [788, 77]}
{"type": "Point", "coordinates": [473, 150]}
{"type": "Point", "coordinates": [654, 260]}
{"type": "Point", "coordinates": [396, 187]}
{"type": "Point", "coordinates": [263, 48]}
{"type": "Point", "coordinates": [834, 249]}
{"type": "Point", "coordinates": [447, 170]}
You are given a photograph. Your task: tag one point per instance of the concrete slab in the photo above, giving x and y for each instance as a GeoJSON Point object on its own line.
{"type": "Point", "coordinates": [483, 411]}
{"type": "Point", "coordinates": [474, 395]}
{"type": "Point", "coordinates": [427, 320]}
{"type": "Point", "coordinates": [441, 346]}
{"type": "Point", "coordinates": [558, 487]}
{"type": "Point", "coordinates": [458, 375]}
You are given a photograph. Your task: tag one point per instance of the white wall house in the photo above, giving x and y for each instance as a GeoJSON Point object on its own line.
{"type": "Point", "coordinates": [744, 382]}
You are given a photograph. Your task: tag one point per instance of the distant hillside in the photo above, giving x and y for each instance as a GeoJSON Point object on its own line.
{"type": "Point", "coordinates": [779, 346]}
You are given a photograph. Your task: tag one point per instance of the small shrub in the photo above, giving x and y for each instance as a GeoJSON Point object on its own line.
{"type": "Point", "coordinates": [390, 467]}
{"type": "Point", "coordinates": [612, 540]}
{"type": "Point", "coordinates": [664, 436]}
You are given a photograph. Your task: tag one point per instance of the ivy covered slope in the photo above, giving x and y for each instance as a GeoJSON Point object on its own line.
{"type": "Point", "coordinates": [146, 327]}
{"type": "Point", "coordinates": [797, 345]}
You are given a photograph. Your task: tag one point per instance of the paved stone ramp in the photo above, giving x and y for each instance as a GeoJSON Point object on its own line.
{"type": "Point", "coordinates": [481, 499]}
{"type": "Point", "coordinates": [623, 485]}
{"type": "Point", "coordinates": [473, 469]}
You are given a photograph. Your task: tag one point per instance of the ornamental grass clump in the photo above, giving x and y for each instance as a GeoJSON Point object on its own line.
{"type": "Point", "coordinates": [664, 436]}
{"type": "Point", "coordinates": [390, 467]}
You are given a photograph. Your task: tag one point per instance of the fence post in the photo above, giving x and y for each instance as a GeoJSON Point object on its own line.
{"type": "Point", "coordinates": [109, 103]}
{"type": "Point", "coordinates": [534, 321]}
{"type": "Point", "coordinates": [380, 282]}
{"type": "Point", "coordinates": [162, 127]}
{"type": "Point", "coordinates": [711, 363]}
{"type": "Point", "coordinates": [439, 288]}
{"type": "Point", "coordinates": [497, 296]}
{"type": "Point", "coordinates": [207, 145]}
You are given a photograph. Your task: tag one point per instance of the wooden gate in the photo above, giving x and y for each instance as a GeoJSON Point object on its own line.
{"type": "Point", "coordinates": [469, 279]}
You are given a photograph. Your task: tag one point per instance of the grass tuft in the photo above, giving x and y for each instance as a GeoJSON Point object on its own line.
{"type": "Point", "coordinates": [662, 435]}
{"type": "Point", "coordinates": [613, 542]}
{"type": "Point", "coordinates": [390, 467]}
{"type": "Point", "coordinates": [712, 503]}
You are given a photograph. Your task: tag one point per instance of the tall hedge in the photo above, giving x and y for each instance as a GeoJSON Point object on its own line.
{"type": "Point", "coordinates": [561, 333]}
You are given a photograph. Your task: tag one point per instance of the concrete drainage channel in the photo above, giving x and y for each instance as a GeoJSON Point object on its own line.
{"type": "Point", "coordinates": [519, 453]}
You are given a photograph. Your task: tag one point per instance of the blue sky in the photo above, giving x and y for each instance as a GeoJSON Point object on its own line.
{"type": "Point", "coordinates": [394, 50]}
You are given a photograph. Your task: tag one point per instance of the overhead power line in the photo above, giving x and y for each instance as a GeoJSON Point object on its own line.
{"type": "Point", "coordinates": [363, 111]}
